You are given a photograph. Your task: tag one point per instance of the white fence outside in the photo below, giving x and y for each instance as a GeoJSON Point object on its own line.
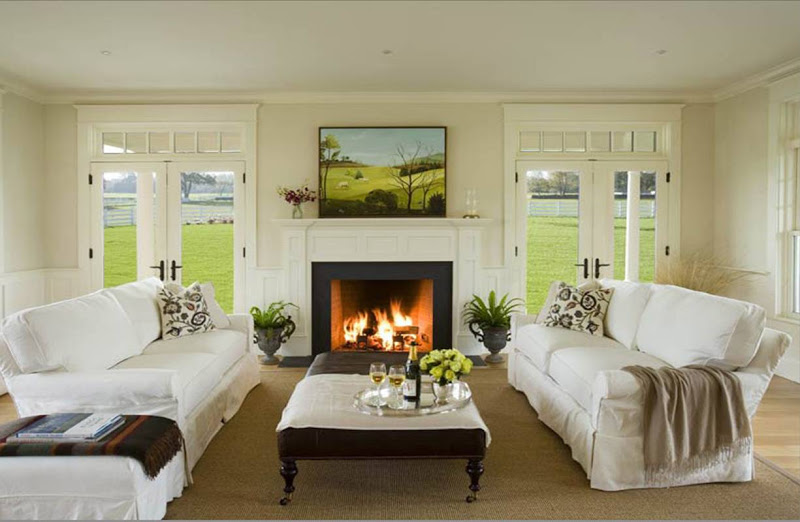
{"type": "Point", "coordinates": [126, 216]}
{"type": "Point", "coordinates": [569, 208]}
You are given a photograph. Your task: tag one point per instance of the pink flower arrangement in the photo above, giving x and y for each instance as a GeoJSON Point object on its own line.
{"type": "Point", "coordinates": [297, 196]}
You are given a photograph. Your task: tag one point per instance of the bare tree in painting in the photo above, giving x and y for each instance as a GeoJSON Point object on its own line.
{"type": "Point", "coordinates": [404, 175]}
{"type": "Point", "coordinates": [429, 179]}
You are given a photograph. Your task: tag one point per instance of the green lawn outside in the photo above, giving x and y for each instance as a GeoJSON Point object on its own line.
{"type": "Point", "coordinates": [207, 256]}
{"type": "Point", "coordinates": [553, 250]}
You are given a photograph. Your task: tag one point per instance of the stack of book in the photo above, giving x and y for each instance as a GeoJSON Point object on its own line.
{"type": "Point", "coordinates": [70, 427]}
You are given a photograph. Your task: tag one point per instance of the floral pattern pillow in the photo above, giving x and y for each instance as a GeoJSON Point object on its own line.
{"type": "Point", "coordinates": [184, 312]}
{"type": "Point", "coordinates": [580, 311]}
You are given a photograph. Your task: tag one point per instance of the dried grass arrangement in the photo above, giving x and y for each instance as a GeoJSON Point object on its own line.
{"type": "Point", "coordinates": [702, 272]}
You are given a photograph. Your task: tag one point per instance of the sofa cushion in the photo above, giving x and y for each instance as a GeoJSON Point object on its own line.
{"type": "Point", "coordinates": [230, 344]}
{"type": "Point", "coordinates": [140, 302]}
{"type": "Point", "coordinates": [625, 309]}
{"type": "Point", "coordinates": [574, 369]}
{"type": "Point", "coordinates": [577, 310]}
{"type": "Point", "coordinates": [89, 333]}
{"type": "Point", "coordinates": [686, 327]}
{"type": "Point", "coordinates": [197, 373]}
{"type": "Point", "coordinates": [539, 342]}
{"type": "Point", "coordinates": [218, 315]}
{"type": "Point", "coordinates": [184, 311]}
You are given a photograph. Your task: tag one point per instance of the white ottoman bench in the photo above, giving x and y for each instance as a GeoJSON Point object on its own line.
{"type": "Point", "coordinates": [128, 475]}
{"type": "Point", "coordinates": [86, 487]}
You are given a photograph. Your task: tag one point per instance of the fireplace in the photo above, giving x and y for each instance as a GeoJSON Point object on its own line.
{"type": "Point", "coordinates": [381, 306]}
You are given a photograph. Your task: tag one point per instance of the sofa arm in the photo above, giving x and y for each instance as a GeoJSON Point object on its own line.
{"type": "Point", "coordinates": [616, 402]}
{"type": "Point", "coordinates": [244, 323]}
{"type": "Point", "coordinates": [129, 391]}
{"type": "Point", "coordinates": [518, 321]}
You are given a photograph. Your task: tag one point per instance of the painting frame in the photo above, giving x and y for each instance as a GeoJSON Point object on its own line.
{"type": "Point", "coordinates": [346, 185]}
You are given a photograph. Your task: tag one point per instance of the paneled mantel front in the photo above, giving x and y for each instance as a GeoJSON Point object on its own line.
{"type": "Point", "coordinates": [305, 241]}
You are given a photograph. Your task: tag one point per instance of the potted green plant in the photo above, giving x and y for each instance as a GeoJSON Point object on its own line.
{"type": "Point", "coordinates": [445, 367]}
{"type": "Point", "coordinates": [490, 322]}
{"type": "Point", "coordinates": [273, 328]}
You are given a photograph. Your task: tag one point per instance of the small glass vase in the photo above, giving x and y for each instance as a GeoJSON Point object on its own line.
{"type": "Point", "coordinates": [297, 212]}
{"type": "Point", "coordinates": [442, 392]}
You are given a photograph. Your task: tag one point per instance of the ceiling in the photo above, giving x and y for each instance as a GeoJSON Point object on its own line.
{"type": "Point", "coordinates": [338, 46]}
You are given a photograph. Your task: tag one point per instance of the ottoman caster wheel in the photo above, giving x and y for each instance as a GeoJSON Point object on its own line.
{"type": "Point", "coordinates": [471, 498]}
{"type": "Point", "coordinates": [284, 501]}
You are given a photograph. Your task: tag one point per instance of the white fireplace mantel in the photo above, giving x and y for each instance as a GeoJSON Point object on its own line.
{"type": "Point", "coordinates": [305, 241]}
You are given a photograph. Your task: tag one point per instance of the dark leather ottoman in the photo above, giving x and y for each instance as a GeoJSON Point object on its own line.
{"type": "Point", "coordinates": [329, 444]}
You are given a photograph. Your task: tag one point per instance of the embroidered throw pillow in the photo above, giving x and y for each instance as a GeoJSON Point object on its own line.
{"type": "Point", "coordinates": [183, 312]}
{"type": "Point", "coordinates": [577, 310]}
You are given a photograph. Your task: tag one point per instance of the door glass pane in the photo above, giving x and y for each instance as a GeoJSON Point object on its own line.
{"type": "Point", "coordinates": [207, 231]}
{"type": "Point", "coordinates": [620, 222]}
{"type": "Point", "coordinates": [647, 226]}
{"type": "Point", "coordinates": [552, 231]}
{"type": "Point", "coordinates": [119, 227]}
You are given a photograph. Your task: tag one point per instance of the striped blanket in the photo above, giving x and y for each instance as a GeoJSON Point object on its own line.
{"type": "Point", "coordinates": [153, 441]}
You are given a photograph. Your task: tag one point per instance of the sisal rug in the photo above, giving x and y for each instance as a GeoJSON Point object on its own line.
{"type": "Point", "coordinates": [529, 474]}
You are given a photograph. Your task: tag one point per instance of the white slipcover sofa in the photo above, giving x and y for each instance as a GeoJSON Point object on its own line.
{"type": "Point", "coordinates": [576, 384]}
{"type": "Point", "coordinates": [103, 352]}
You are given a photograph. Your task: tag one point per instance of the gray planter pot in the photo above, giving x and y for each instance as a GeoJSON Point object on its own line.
{"type": "Point", "coordinates": [494, 338]}
{"type": "Point", "coordinates": [270, 340]}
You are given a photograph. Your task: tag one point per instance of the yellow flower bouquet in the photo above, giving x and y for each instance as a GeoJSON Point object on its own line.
{"type": "Point", "coordinates": [445, 366]}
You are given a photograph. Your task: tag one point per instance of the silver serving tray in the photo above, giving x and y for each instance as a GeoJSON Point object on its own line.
{"type": "Point", "coordinates": [365, 401]}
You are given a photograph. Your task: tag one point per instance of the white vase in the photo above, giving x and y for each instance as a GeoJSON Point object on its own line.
{"type": "Point", "coordinates": [442, 392]}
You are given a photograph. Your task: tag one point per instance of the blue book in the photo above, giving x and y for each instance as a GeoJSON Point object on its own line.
{"type": "Point", "coordinates": [70, 426]}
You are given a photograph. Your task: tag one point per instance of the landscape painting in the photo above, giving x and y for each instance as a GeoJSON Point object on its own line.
{"type": "Point", "coordinates": [382, 171]}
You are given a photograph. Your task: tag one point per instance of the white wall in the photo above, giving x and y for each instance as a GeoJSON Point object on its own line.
{"type": "Point", "coordinates": [61, 189]}
{"type": "Point", "coordinates": [744, 237]}
{"type": "Point", "coordinates": [697, 182]}
{"type": "Point", "coordinates": [23, 183]}
{"type": "Point", "coordinates": [288, 144]}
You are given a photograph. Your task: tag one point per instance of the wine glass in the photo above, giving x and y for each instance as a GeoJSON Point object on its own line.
{"type": "Point", "coordinates": [377, 372]}
{"type": "Point", "coordinates": [397, 375]}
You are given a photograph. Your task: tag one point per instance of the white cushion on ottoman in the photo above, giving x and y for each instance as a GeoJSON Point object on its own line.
{"type": "Point", "coordinates": [96, 487]}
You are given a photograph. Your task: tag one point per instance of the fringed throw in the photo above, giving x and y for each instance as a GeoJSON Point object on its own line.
{"type": "Point", "coordinates": [694, 419]}
{"type": "Point", "coordinates": [153, 441]}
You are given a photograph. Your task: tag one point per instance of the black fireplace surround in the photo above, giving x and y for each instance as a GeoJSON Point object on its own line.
{"type": "Point", "coordinates": [322, 274]}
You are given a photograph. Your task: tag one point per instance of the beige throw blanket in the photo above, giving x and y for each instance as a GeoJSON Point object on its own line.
{"type": "Point", "coordinates": [694, 419]}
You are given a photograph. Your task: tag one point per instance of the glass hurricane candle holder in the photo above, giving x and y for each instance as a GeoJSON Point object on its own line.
{"type": "Point", "coordinates": [471, 204]}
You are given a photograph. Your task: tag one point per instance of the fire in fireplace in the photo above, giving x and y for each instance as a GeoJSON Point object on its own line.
{"type": "Point", "coordinates": [381, 315]}
{"type": "Point", "coordinates": [368, 307]}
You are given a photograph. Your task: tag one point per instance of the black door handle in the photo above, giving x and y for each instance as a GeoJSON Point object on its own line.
{"type": "Point", "coordinates": [585, 266]}
{"type": "Point", "coordinates": [160, 267]}
{"type": "Point", "coordinates": [173, 268]}
{"type": "Point", "coordinates": [597, 265]}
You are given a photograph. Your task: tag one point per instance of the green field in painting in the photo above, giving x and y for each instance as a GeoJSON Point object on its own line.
{"type": "Point", "coordinates": [553, 251]}
{"type": "Point", "coordinates": [343, 186]}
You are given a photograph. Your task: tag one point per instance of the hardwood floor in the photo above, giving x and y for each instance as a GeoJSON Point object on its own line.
{"type": "Point", "coordinates": [776, 425]}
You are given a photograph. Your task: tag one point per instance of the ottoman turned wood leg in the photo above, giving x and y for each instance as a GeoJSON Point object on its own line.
{"type": "Point", "coordinates": [288, 472]}
{"type": "Point", "coordinates": [475, 470]}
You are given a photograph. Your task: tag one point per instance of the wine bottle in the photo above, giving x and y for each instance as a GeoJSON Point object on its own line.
{"type": "Point", "coordinates": [411, 389]}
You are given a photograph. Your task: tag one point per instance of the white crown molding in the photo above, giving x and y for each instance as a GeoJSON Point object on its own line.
{"type": "Point", "coordinates": [311, 97]}
{"type": "Point", "coordinates": [757, 80]}
{"type": "Point", "coordinates": [16, 86]}
{"type": "Point", "coordinates": [13, 85]}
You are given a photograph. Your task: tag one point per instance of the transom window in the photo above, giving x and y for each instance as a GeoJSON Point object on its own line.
{"type": "Point", "coordinates": [586, 141]}
{"type": "Point", "coordinates": [170, 142]}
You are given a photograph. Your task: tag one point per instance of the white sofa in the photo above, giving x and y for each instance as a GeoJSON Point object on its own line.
{"type": "Point", "coordinates": [103, 352]}
{"type": "Point", "coordinates": [575, 382]}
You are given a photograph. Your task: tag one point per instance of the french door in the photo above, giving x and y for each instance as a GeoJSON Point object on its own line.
{"type": "Point", "coordinates": [586, 220]}
{"type": "Point", "coordinates": [178, 221]}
